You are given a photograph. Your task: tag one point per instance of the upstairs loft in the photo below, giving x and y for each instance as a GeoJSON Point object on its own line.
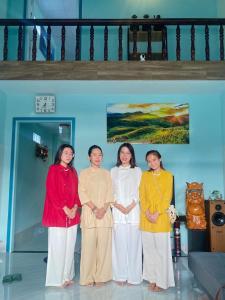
{"type": "Point", "coordinates": [109, 49]}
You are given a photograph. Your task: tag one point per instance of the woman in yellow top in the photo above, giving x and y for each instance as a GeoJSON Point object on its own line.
{"type": "Point", "coordinates": [95, 191]}
{"type": "Point", "coordinates": [155, 197]}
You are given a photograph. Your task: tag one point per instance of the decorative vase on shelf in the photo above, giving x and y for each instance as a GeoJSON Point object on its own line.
{"type": "Point", "coordinates": [158, 27]}
{"type": "Point", "coordinates": [145, 27]}
{"type": "Point", "coordinates": [134, 27]}
{"type": "Point", "coordinates": [215, 195]}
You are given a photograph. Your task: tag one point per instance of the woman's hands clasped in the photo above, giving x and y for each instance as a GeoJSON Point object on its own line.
{"type": "Point", "coordinates": [152, 217]}
{"type": "Point", "coordinates": [123, 209]}
{"type": "Point", "coordinates": [70, 212]}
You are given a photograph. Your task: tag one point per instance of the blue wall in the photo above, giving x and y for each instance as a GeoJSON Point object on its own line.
{"type": "Point", "coordinates": [3, 212]}
{"type": "Point", "coordinates": [167, 9]}
{"type": "Point", "coordinates": [3, 10]}
{"type": "Point", "coordinates": [202, 160]}
{"type": "Point", "coordinates": [15, 10]}
{"type": "Point", "coordinates": [116, 9]}
{"type": "Point", "coordinates": [220, 8]}
{"type": "Point", "coordinates": [3, 15]}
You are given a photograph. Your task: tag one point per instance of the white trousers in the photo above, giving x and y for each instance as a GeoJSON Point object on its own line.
{"type": "Point", "coordinates": [157, 264]}
{"type": "Point", "coordinates": [127, 253]}
{"type": "Point", "coordinates": [60, 265]}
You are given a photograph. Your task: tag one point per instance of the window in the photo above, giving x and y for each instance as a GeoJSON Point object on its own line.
{"type": "Point", "coordinates": [36, 138]}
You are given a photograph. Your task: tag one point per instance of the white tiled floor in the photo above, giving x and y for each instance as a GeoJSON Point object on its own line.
{"type": "Point", "coordinates": [32, 287]}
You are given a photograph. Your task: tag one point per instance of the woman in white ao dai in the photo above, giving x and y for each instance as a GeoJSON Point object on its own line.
{"type": "Point", "coordinates": [126, 238]}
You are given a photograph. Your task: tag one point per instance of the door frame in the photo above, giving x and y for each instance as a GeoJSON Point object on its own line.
{"type": "Point", "coordinates": [16, 121]}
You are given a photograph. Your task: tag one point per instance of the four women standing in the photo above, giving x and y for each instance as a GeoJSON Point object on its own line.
{"type": "Point", "coordinates": [99, 193]}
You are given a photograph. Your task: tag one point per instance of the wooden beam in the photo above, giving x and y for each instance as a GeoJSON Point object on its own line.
{"type": "Point", "coordinates": [129, 70]}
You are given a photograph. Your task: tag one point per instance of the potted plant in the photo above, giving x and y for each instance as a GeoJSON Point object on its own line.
{"type": "Point", "coordinates": [134, 27]}
{"type": "Point", "coordinates": [145, 27]}
{"type": "Point", "coordinates": [158, 27]}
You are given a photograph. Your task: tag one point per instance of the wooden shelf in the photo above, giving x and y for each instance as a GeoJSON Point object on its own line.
{"type": "Point", "coordinates": [142, 37]}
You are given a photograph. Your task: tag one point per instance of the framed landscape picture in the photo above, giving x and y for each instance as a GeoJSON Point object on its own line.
{"type": "Point", "coordinates": [148, 123]}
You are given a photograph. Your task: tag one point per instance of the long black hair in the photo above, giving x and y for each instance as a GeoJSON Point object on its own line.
{"type": "Point", "coordinates": [157, 154]}
{"type": "Point", "coordinates": [131, 149]}
{"type": "Point", "coordinates": [94, 147]}
{"type": "Point", "coordinates": [59, 154]}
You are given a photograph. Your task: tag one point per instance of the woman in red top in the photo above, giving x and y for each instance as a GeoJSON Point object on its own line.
{"type": "Point", "coordinates": [61, 217]}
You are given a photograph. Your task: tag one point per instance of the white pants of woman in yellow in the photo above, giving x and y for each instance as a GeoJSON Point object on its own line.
{"type": "Point", "coordinates": [157, 263]}
{"type": "Point", "coordinates": [96, 255]}
{"type": "Point", "coordinates": [60, 264]}
{"type": "Point", "coordinates": [127, 253]}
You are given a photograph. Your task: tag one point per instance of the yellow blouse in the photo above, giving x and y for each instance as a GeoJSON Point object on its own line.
{"type": "Point", "coordinates": [95, 185]}
{"type": "Point", "coordinates": [155, 195]}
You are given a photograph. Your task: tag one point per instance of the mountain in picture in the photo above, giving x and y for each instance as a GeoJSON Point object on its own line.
{"type": "Point", "coordinates": [150, 123]}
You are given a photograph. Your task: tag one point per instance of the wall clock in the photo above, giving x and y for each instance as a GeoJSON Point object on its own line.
{"type": "Point", "coordinates": [45, 104]}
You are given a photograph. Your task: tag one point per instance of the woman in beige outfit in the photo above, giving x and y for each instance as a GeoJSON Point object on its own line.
{"type": "Point", "coordinates": [95, 191]}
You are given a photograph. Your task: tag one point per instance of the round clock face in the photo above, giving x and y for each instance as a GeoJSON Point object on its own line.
{"type": "Point", "coordinates": [45, 104]}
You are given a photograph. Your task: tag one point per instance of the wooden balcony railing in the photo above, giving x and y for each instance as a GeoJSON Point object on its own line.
{"type": "Point", "coordinates": [120, 25]}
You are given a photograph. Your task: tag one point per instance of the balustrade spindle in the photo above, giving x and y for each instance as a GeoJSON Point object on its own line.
{"type": "Point", "coordinates": [92, 43]}
{"type": "Point", "coordinates": [78, 43]}
{"type": "Point", "coordinates": [206, 42]}
{"type": "Point", "coordinates": [34, 47]}
{"type": "Point", "coordinates": [49, 43]}
{"type": "Point", "coordinates": [120, 50]}
{"type": "Point", "coordinates": [20, 40]}
{"type": "Point", "coordinates": [135, 55]}
{"type": "Point", "coordinates": [5, 49]}
{"type": "Point", "coordinates": [63, 38]}
{"type": "Point", "coordinates": [192, 42]}
{"type": "Point", "coordinates": [106, 43]}
{"type": "Point", "coordinates": [164, 43]}
{"type": "Point", "coordinates": [149, 47]}
{"type": "Point", "coordinates": [178, 42]}
{"type": "Point", "coordinates": [134, 36]}
{"type": "Point", "coordinates": [221, 43]}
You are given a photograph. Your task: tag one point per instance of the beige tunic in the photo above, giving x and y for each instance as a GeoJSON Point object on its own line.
{"type": "Point", "coordinates": [96, 244]}
{"type": "Point", "coordinates": [95, 185]}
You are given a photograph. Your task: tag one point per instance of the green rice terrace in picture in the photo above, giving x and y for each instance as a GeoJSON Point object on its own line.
{"type": "Point", "coordinates": [151, 123]}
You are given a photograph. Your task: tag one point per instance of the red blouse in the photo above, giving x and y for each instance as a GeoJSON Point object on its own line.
{"type": "Point", "coordinates": [61, 190]}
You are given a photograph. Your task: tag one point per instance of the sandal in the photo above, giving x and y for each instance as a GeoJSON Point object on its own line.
{"type": "Point", "coordinates": [157, 289]}
{"type": "Point", "coordinates": [120, 283]}
{"type": "Point", "coordinates": [90, 284]}
{"type": "Point", "coordinates": [99, 284]}
{"type": "Point", "coordinates": [151, 286]}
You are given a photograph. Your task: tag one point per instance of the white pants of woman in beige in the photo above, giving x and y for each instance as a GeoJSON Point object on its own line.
{"type": "Point", "coordinates": [127, 253]}
{"type": "Point", "coordinates": [157, 263]}
{"type": "Point", "coordinates": [96, 255]}
{"type": "Point", "coordinates": [60, 264]}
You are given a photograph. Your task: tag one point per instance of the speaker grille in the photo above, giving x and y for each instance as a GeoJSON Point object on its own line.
{"type": "Point", "coordinates": [218, 219]}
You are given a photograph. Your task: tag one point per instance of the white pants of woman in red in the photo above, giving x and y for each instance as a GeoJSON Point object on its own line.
{"type": "Point", "coordinates": [60, 264]}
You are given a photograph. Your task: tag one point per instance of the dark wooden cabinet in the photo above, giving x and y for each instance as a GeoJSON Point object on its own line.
{"type": "Point", "coordinates": [137, 39]}
{"type": "Point", "coordinates": [198, 240]}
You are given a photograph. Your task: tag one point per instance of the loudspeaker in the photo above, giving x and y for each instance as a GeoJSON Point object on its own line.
{"type": "Point", "coordinates": [215, 217]}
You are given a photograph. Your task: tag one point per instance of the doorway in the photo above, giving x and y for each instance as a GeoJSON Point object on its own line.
{"type": "Point", "coordinates": [35, 142]}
